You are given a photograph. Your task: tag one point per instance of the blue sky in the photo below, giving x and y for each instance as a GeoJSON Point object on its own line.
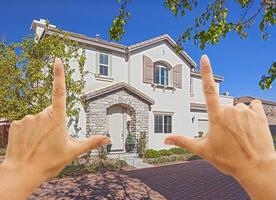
{"type": "Point", "coordinates": [241, 62]}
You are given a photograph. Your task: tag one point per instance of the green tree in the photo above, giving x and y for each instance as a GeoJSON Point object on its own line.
{"type": "Point", "coordinates": [26, 70]}
{"type": "Point", "coordinates": [213, 23]}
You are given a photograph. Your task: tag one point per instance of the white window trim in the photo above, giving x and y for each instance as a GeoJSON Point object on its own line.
{"type": "Point", "coordinates": [99, 76]}
{"type": "Point", "coordinates": [163, 115]}
{"type": "Point", "coordinates": [168, 76]}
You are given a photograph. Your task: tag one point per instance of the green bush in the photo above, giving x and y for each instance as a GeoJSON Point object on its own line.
{"type": "Point", "coordinates": [2, 152]}
{"type": "Point", "coordinates": [151, 153]}
{"type": "Point", "coordinates": [165, 152]}
{"type": "Point", "coordinates": [97, 165]}
{"type": "Point", "coordinates": [142, 143]}
{"type": "Point", "coordinates": [168, 159]}
{"type": "Point", "coordinates": [177, 150]}
{"type": "Point", "coordinates": [194, 157]}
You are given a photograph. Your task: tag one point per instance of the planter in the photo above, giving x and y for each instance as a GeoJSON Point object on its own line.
{"type": "Point", "coordinates": [108, 148]}
{"type": "Point", "coordinates": [130, 147]}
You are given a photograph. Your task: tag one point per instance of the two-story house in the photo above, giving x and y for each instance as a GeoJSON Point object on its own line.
{"type": "Point", "coordinates": [145, 87]}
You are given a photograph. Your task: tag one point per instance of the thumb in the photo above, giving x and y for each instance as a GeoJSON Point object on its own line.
{"type": "Point", "coordinates": [191, 144]}
{"type": "Point", "coordinates": [93, 142]}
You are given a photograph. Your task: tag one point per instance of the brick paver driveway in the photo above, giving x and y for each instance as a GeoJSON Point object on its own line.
{"type": "Point", "coordinates": [196, 180]}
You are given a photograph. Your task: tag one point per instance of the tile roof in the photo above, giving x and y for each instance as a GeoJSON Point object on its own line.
{"type": "Point", "coordinates": [248, 99]}
{"type": "Point", "coordinates": [114, 46]}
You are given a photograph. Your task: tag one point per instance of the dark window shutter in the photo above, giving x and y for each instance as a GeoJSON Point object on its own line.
{"type": "Point", "coordinates": [147, 70]}
{"type": "Point", "coordinates": [177, 76]}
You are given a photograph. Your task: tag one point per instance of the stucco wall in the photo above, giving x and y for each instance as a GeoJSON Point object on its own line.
{"type": "Point", "coordinates": [176, 101]}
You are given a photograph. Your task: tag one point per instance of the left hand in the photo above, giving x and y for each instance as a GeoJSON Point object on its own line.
{"type": "Point", "coordinates": [40, 144]}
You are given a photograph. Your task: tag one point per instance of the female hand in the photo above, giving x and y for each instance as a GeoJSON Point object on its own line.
{"type": "Point", "coordinates": [238, 141]}
{"type": "Point", "coordinates": [39, 146]}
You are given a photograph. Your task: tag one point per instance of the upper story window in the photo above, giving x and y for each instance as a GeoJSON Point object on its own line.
{"type": "Point", "coordinates": [103, 64]}
{"type": "Point", "coordinates": [161, 75]}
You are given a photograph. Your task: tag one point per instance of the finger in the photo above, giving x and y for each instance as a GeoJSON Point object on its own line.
{"type": "Point", "coordinates": [82, 146]}
{"type": "Point", "coordinates": [59, 92]}
{"type": "Point", "coordinates": [191, 144]}
{"type": "Point", "coordinates": [257, 106]}
{"type": "Point", "coordinates": [242, 106]}
{"type": "Point", "coordinates": [209, 88]}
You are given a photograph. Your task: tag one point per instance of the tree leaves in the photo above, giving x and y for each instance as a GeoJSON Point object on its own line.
{"type": "Point", "coordinates": [27, 75]}
{"type": "Point", "coordinates": [210, 26]}
{"type": "Point", "coordinates": [266, 80]}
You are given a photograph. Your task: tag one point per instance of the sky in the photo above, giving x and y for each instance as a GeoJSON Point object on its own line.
{"type": "Point", "coordinates": [241, 62]}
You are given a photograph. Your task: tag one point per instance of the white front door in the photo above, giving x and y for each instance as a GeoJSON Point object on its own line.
{"type": "Point", "coordinates": [117, 119]}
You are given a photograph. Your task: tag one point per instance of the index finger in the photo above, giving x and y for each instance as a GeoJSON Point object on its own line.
{"type": "Point", "coordinates": [59, 90]}
{"type": "Point", "coordinates": [209, 88]}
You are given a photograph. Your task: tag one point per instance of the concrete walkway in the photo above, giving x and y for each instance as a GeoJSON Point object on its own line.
{"type": "Point", "coordinates": [132, 159]}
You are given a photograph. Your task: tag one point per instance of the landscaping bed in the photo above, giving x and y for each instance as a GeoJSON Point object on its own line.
{"type": "Point", "coordinates": [166, 156]}
{"type": "Point", "coordinates": [94, 165]}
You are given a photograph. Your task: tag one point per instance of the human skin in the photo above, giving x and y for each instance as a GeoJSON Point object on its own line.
{"type": "Point", "coordinates": [39, 145]}
{"type": "Point", "coordinates": [238, 141]}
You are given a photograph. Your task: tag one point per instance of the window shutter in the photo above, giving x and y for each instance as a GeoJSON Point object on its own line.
{"type": "Point", "coordinates": [147, 70]}
{"type": "Point", "coordinates": [177, 76]}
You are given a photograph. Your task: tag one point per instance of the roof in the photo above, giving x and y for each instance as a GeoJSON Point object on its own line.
{"type": "Point", "coordinates": [111, 45]}
{"type": "Point", "coordinates": [119, 86]}
{"type": "Point", "coordinates": [198, 75]}
{"type": "Point", "coordinates": [166, 38]}
{"type": "Point", "coordinates": [248, 99]}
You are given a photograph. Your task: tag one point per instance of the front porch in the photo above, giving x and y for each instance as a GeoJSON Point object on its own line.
{"type": "Point", "coordinates": [119, 111]}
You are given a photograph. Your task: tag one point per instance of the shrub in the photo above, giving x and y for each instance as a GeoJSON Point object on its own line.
{"type": "Point", "coordinates": [194, 157]}
{"type": "Point", "coordinates": [177, 150]}
{"type": "Point", "coordinates": [102, 153]}
{"type": "Point", "coordinates": [165, 152]}
{"type": "Point", "coordinates": [142, 142]}
{"type": "Point", "coordinates": [168, 159]}
{"type": "Point", "coordinates": [96, 165]}
{"type": "Point", "coordinates": [151, 153]}
{"type": "Point", "coordinates": [2, 152]}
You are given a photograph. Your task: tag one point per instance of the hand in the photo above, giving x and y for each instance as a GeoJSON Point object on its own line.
{"type": "Point", "coordinates": [39, 146]}
{"type": "Point", "coordinates": [238, 140]}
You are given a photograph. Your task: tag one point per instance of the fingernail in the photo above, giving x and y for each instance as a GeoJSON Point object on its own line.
{"type": "Point", "coordinates": [57, 60]}
{"type": "Point", "coordinates": [204, 56]}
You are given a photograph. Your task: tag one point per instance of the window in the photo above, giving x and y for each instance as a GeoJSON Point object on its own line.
{"type": "Point", "coordinates": [162, 123]}
{"type": "Point", "coordinates": [103, 64]}
{"type": "Point", "coordinates": [161, 75]}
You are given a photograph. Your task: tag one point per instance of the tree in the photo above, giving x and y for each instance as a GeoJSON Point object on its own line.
{"type": "Point", "coordinates": [212, 24]}
{"type": "Point", "coordinates": [26, 70]}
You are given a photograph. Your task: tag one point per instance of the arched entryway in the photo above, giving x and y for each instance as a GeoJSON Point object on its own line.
{"type": "Point", "coordinates": [120, 122]}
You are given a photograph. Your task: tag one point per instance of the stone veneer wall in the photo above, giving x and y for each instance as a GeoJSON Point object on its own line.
{"type": "Point", "coordinates": [270, 112]}
{"type": "Point", "coordinates": [96, 112]}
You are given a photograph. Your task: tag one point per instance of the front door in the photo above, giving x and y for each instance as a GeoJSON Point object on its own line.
{"type": "Point", "coordinates": [117, 120]}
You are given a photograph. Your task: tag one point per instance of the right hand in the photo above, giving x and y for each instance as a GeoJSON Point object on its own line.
{"type": "Point", "coordinates": [238, 139]}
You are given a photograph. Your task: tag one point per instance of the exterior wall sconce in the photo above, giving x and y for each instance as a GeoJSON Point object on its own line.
{"type": "Point", "coordinates": [193, 119]}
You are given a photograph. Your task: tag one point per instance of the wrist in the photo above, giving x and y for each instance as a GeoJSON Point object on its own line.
{"type": "Point", "coordinates": [19, 178]}
{"type": "Point", "coordinates": [258, 178]}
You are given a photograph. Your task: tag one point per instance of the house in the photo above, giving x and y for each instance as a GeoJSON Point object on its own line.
{"type": "Point", "coordinates": [269, 108]}
{"type": "Point", "coordinates": [142, 88]}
